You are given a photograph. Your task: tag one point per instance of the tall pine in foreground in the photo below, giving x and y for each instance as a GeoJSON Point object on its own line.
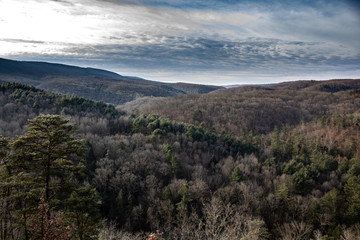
{"type": "Point", "coordinates": [47, 163]}
{"type": "Point", "coordinates": [52, 154]}
{"type": "Point", "coordinates": [6, 222]}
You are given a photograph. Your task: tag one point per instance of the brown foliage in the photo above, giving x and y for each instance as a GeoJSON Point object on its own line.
{"type": "Point", "coordinates": [260, 109]}
{"type": "Point", "coordinates": [47, 224]}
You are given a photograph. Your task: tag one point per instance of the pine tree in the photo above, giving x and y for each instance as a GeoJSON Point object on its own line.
{"type": "Point", "coordinates": [5, 204]}
{"type": "Point", "coordinates": [352, 195]}
{"type": "Point", "coordinates": [47, 163]}
{"type": "Point", "coordinates": [82, 211]}
{"type": "Point", "coordinates": [236, 175]}
{"type": "Point", "coordinates": [51, 154]}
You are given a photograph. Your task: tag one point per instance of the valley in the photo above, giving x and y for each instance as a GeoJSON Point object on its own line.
{"type": "Point", "coordinates": [277, 161]}
{"type": "Point", "coordinates": [95, 84]}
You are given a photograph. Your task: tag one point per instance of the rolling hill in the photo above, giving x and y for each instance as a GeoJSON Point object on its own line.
{"type": "Point", "coordinates": [155, 173]}
{"type": "Point", "coordinates": [261, 108]}
{"type": "Point", "coordinates": [91, 83]}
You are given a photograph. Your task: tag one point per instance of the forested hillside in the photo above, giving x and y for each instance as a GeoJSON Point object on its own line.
{"type": "Point", "coordinates": [21, 102]}
{"type": "Point", "coordinates": [291, 175]}
{"type": "Point", "coordinates": [91, 83]}
{"type": "Point", "coordinates": [260, 108]}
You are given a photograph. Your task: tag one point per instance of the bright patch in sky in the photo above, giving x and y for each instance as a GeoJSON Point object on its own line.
{"type": "Point", "coordinates": [210, 41]}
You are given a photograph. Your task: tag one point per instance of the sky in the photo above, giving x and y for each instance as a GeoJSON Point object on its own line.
{"type": "Point", "coordinates": [220, 42]}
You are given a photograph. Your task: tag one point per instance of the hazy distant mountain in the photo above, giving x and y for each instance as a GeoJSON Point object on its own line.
{"type": "Point", "coordinates": [91, 83]}
{"type": "Point", "coordinates": [233, 86]}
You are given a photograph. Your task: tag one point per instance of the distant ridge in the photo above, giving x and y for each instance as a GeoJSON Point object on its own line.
{"type": "Point", "coordinates": [41, 69]}
{"type": "Point", "coordinates": [92, 83]}
{"type": "Point", "coordinates": [233, 85]}
{"type": "Point", "coordinates": [261, 108]}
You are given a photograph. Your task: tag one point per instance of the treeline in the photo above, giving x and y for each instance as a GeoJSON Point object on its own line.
{"type": "Point", "coordinates": [185, 181]}
{"type": "Point", "coordinates": [21, 102]}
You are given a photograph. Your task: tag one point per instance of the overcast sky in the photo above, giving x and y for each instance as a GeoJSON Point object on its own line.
{"type": "Point", "coordinates": [203, 41]}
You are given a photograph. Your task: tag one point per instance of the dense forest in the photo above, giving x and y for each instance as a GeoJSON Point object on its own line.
{"type": "Point", "coordinates": [266, 162]}
{"type": "Point", "coordinates": [260, 108]}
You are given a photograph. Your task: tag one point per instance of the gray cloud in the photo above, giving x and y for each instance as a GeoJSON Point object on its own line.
{"type": "Point", "coordinates": [64, 2]}
{"type": "Point", "coordinates": [10, 40]}
{"type": "Point", "coordinates": [219, 36]}
{"type": "Point", "coordinates": [200, 54]}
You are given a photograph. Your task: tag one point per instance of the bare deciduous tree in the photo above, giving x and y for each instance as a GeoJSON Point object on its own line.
{"type": "Point", "coordinates": [294, 231]}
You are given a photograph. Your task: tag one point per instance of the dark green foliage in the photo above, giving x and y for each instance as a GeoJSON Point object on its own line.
{"type": "Point", "coordinates": [352, 195]}
{"type": "Point", "coordinates": [29, 95]}
{"type": "Point", "coordinates": [331, 205]}
{"type": "Point", "coordinates": [139, 124]}
{"type": "Point", "coordinates": [19, 101]}
{"type": "Point", "coordinates": [39, 99]}
{"type": "Point", "coordinates": [334, 87]}
{"type": "Point", "coordinates": [49, 151]}
{"type": "Point", "coordinates": [183, 206]}
{"type": "Point", "coordinates": [46, 164]}
{"type": "Point", "coordinates": [173, 160]}
{"type": "Point", "coordinates": [282, 145]}
{"type": "Point", "coordinates": [302, 178]}
{"type": "Point", "coordinates": [197, 116]}
{"type": "Point", "coordinates": [82, 211]}
{"type": "Point", "coordinates": [236, 175]}
{"type": "Point", "coordinates": [323, 162]}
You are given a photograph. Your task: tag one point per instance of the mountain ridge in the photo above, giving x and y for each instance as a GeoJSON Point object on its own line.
{"type": "Point", "coordinates": [260, 108]}
{"type": "Point", "coordinates": [92, 83]}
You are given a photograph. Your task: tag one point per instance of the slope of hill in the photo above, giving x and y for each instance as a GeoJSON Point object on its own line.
{"type": "Point", "coordinates": [260, 108]}
{"type": "Point", "coordinates": [20, 102]}
{"type": "Point", "coordinates": [91, 83]}
{"type": "Point", "coordinates": [183, 181]}
{"type": "Point", "coordinates": [335, 85]}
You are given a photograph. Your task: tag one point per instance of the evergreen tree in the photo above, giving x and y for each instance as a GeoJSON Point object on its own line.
{"type": "Point", "coordinates": [51, 154]}
{"type": "Point", "coordinates": [236, 175]}
{"type": "Point", "coordinates": [82, 211]}
{"type": "Point", "coordinates": [352, 194]}
{"type": "Point", "coordinates": [5, 205]}
{"type": "Point", "coordinates": [47, 163]}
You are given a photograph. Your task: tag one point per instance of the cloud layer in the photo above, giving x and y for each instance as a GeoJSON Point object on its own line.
{"type": "Point", "coordinates": [220, 42]}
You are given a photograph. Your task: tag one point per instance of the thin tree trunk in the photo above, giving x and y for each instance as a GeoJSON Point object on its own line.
{"type": "Point", "coordinates": [26, 232]}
